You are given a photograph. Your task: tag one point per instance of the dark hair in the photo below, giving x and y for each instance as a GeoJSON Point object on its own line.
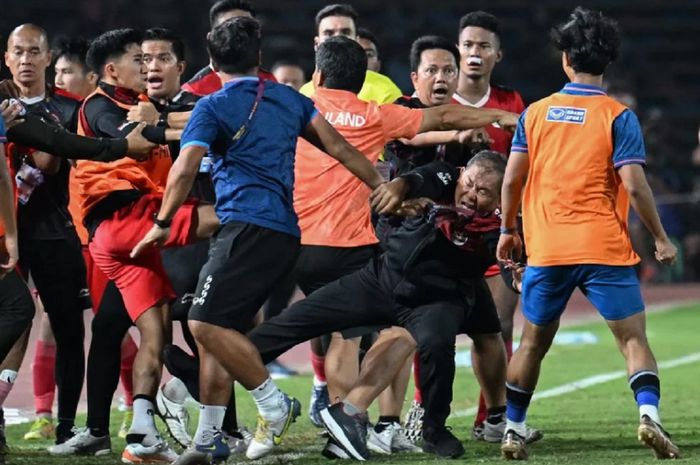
{"type": "Point", "coordinates": [234, 45]}
{"type": "Point", "coordinates": [591, 40]}
{"type": "Point", "coordinates": [364, 33]}
{"type": "Point", "coordinates": [343, 63]}
{"type": "Point", "coordinates": [223, 6]}
{"type": "Point", "coordinates": [489, 160]}
{"type": "Point", "coordinates": [72, 48]}
{"type": "Point", "coordinates": [337, 9]}
{"type": "Point", "coordinates": [429, 43]}
{"type": "Point", "coordinates": [483, 20]}
{"type": "Point", "coordinates": [279, 63]}
{"type": "Point", "coordinates": [167, 35]}
{"type": "Point", "coordinates": [111, 44]}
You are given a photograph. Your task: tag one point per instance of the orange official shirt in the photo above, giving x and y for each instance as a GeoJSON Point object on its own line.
{"type": "Point", "coordinates": [575, 207]}
{"type": "Point", "coordinates": [331, 203]}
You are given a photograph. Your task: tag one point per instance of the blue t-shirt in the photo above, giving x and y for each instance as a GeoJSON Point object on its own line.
{"type": "Point", "coordinates": [3, 138]}
{"type": "Point", "coordinates": [628, 141]}
{"type": "Point", "coordinates": [253, 176]}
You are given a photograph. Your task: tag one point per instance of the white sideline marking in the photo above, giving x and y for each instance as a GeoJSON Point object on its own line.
{"type": "Point", "coordinates": [591, 381]}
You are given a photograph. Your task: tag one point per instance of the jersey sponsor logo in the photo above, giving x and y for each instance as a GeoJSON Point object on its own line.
{"type": "Point", "coordinates": [566, 115]}
{"type": "Point", "coordinates": [345, 118]}
{"type": "Point", "coordinates": [444, 177]}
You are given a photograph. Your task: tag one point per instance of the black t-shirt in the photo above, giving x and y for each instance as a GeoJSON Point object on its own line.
{"type": "Point", "coordinates": [405, 158]}
{"type": "Point", "coordinates": [45, 215]}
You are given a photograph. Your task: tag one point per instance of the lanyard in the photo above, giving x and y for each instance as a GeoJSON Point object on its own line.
{"type": "Point", "coordinates": [258, 98]}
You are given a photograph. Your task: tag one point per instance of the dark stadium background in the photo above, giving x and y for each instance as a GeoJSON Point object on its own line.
{"type": "Point", "coordinates": [660, 63]}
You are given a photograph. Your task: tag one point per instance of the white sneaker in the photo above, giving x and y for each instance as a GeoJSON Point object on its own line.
{"type": "Point", "coordinates": [238, 445]}
{"type": "Point", "coordinates": [83, 443]}
{"type": "Point", "coordinates": [399, 441]}
{"type": "Point", "coordinates": [176, 418]}
{"type": "Point", "coordinates": [380, 442]}
{"type": "Point", "coordinates": [159, 452]}
{"type": "Point", "coordinates": [270, 434]}
{"type": "Point", "coordinates": [391, 440]}
{"type": "Point", "coordinates": [494, 433]}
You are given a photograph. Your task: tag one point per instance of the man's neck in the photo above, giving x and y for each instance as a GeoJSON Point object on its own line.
{"type": "Point", "coordinates": [588, 79]}
{"type": "Point", "coordinates": [473, 90]}
{"type": "Point", "coordinates": [226, 77]}
{"type": "Point", "coordinates": [38, 89]}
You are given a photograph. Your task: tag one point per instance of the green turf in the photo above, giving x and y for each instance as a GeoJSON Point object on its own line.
{"type": "Point", "coordinates": [595, 425]}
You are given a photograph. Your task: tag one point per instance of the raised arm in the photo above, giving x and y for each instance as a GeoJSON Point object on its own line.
{"type": "Point", "coordinates": [448, 117]}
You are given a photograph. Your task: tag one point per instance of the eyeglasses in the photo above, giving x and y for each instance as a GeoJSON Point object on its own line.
{"type": "Point", "coordinates": [163, 58]}
{"type": "Point", "coordinates": [448, 72]}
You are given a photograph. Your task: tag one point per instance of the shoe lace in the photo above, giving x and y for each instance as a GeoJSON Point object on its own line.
{"type": "Point", "coordinates": [262, 430]}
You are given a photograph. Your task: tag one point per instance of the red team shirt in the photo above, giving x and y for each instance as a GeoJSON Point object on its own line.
{"type": "Point", "coordinates": [503, 99]}
{"type": "Point", "coordinates": [206, 81]}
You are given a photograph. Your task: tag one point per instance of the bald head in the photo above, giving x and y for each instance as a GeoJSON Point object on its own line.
{"type": "Point", "coordinates": [29, 30]}
{"type": "Point", "coordinates": [28, 56]}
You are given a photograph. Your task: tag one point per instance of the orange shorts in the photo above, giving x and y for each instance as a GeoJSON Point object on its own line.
{"type": "Point", "coordinates": [142, 280]}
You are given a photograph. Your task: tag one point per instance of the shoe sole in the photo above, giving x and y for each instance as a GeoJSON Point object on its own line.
{"type": "Point", "coordinates": [128, 457]}
{"type": "Point", "coordinates": [513, 452]}
{"type": "Point", "coordinates": [97, 453]}
{"type": "Point", "coordinates": [379, 448]}
{"type": "Point", "coordinates": [428, 448]}
{"type": "Point", "coordinates": [659, 444]}
{"type": "Point", "coordinates": [337, 433]}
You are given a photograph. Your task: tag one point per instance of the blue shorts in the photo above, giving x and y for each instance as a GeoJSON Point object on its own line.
{"type": "Point", "coordinates": [613, 290]}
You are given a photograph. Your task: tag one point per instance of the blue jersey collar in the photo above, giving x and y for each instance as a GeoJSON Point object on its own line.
{"type": "Point", "coordinates": [573, 88]}
{"type": "Point", "coordinates": [235, 81]}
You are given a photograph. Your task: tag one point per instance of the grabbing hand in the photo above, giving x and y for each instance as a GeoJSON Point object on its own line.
{"type": "Point", "coordinates": [474, 136]}
{"type": "Point", "coordinates": [144, 112]}
{"type": "Point", "coordinates": [509, 121]}
{"type": "Point", "coordinates": [388, 196]}
{"type": "Point", "coordinates": [155, 237]}
{"type": "Point", "coordinates": [414, 207]}
{"type": "Point", "coordinates": [11, 113]}
{"type": "Point", "coordinates": [139, 146]}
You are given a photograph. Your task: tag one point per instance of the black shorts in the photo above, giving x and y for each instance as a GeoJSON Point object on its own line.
{"type": "Point", "coordinates": [482, 317]}
{"type": "Point", "coordinates": [183, 265]}
{"type": "Point", "coordinates": [16, 310]}
{"type": "Point", "coordinates": [245, 262]}
{"type": "Point", "coordinates": [319, 265]}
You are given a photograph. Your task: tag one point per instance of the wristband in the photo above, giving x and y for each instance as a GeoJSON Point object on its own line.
{"type": "Point", "coordinates": [162, 224]}
{"type": "Point", "coordinates": [508, 230]}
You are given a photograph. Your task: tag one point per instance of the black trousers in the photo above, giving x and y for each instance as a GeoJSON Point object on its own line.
{"type": "Point", "coordinates": [109, 326]}
{"type": "Point", "coordinates": [58, 270]}
{"type": "Point", "coordinates": [16, 311]}
{"type": "Point", "coordinates": [365, 298]}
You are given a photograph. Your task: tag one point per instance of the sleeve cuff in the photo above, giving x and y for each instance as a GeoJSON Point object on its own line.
{"type": "Point", "coordinates": [196, 143]}
{"type": "Point", "coordinates": [630, 161]}
{"type": "Point", "coordinates": [518, 149]}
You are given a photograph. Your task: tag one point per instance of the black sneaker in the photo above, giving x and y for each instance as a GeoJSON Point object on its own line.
{"type": "Point", "coordinates": [349, 431]}
{"type": "Point", "coordinates": [441, 442]}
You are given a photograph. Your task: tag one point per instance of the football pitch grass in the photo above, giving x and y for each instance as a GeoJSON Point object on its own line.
{"type": "Point", "coordinates": [593, 424]}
